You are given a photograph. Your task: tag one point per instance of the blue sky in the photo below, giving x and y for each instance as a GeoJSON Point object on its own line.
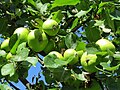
{"type": "Point", "coordinates": [33, 71]}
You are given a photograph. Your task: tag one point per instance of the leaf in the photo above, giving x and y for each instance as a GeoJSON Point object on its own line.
{"type": "Point", "coordinates": [22, 51]}
{"type": "Point", "coordinates": [57, 16]}
{"type": "Point", "coordinates": [2, 53]}
{"type": "Point", "coordinates": [80, 46]}
{"type": "Point", "coordinates": [8, 69]}
{"type": "Point", "coordinates": [32, 60]}
{"type": "Point", "coordinates": [107, 66]}
{"type": "Point", "coordinates": [92, 50]}
{"type": "Point", "coordinates": [92, 33]}
{"type": "Point", "coordinates": [116, 56]}
{"type": "Point", "coordinates": [113, 83]}
{"type": "Point", "coordinates": [78, 76]}
{"type": "Point", "coordinates": [42, 7]}
{"type": "Point", "coordinates": [51, 61]}
{"type": "Point", "coordinates": [3, 25]}
{"type": "Point", "coordinates": [82, 13]}
{"type": "Point", "coordinates": [5, 87]}
{"type": "Point", "coordinates": [31, 2]}
{"type": "Point", "coordinates": [74, 24]}
{"type": "Point", "coordinates": [64, 2]}
{"type": "Point", "coordinates": [70, 41]}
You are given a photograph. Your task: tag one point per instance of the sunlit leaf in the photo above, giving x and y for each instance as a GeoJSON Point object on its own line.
{"type": "Point", "coordinates": [64, 2]}
{"type": "Point", "coordinates": [8, 69]}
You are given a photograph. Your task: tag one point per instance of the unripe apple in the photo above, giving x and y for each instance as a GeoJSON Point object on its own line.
{"type": "Point", "coordinates": [37, 40]}
{"type": "Point", "coordinates": [19, 36]}
{"type": "Point", "coordinates": [22, 33]}
{"type": "Point", "coordinates": [51, 27]}
{"type": "Point", "coordinates": [89, 61]}
{"type": "Point", "coordinates": [71, 52]}
{"type": "Point", "coordinates": [105, 45]}
{"type": "Point", "coordinates": [59, 55]}
{"type": "Point", "coordinates": [5, 45]}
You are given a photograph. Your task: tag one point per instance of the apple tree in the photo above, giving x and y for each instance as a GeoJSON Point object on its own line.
{"type": "Point", "coordinates": [76, 42]}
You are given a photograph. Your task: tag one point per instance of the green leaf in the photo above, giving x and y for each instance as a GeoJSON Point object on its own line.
{"type": "Point", "coordinates": [5, 87]}
{"type": "Point", "coordinates": [70, 41]}
{"type": "Point", "coordinates": [51, 61]}
{"type": "Point", "coordinates": [57, 16]}
{"type": "Point", "coordinates": [74, 24]}
{"type": "Point", "coordinates": [3, 25]}
{"type": "Point", "coordinates": [112, 83]}
{"type": "Point", "coordinates": [31, 2]}
{"type": "Point", "coordinates": [8, 69]}
{"type": "Point", "coordinates": [79, 76]}
{"type": "Point", "coordinates": [32, 60]}
{"type": "Point", "coordinates": [116, 56]}
{"type": "Point", "coordinates": [80, 46]}
{"type": "Point", "coordinates": [22, 51]}
{"type": "Point", "coordinates": [64, 2]}
{"type": "Point", "coordinates": [2, 53]}
{"type": "Point", "coordinates": [82, 13]}
{"type": "Point", "coordinates": [92, 33]}
{"type": "Point", "coordinates": [92, 50]}
{"type": "Point", "coordinates": [107, 66]}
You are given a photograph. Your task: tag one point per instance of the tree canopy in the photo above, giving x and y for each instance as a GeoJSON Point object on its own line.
{"type": "Point", "coordinates": [76, 42]}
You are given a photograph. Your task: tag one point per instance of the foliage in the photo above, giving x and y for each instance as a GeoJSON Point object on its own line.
{"type": "Point", "coordinates": [81, 24]}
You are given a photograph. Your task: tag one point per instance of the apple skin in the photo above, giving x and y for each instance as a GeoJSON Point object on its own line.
{"type": "Point", "coordinates": [105, 45]}
{"type": "Point", "coordinates": [50, 27]}
{"type": "Point", "coordinates": [71, 52]}
{"type": "Point", "coordinates": [19, 36]}
{"type": "Point", "coordinates": [37, 40]}
{"type": "Point", "coordinates": [89, 61]}
{"type": "Point", "coordinates": [5, 45]}
{"type": "Point", "coordinates": [23, 33]}
{"type": "Point", "coordinates": [59, 55]}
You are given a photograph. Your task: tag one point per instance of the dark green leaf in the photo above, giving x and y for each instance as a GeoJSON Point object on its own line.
{"type": "Point", "coordinates": [57, 16]}
{"type": "Point", "coordinates": [70, 41]}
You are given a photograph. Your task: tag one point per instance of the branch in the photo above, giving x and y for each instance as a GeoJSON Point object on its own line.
{"type": "Point", "coordinates": [40, 59]}
{"type": "Point", "coordinates": [16, 88]}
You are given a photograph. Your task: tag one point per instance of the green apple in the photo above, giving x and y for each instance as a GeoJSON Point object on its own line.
{"type": "Point", "coordinates": [51, 27]}
{"type": "Point", "coordinates": [89, 61]}
{"type": "Point", "coordinates": [59, 55]}
{"type": "Point", "coordinates": [105, 45]}
{"type": "Point", "coordinates": [5, 45]}
{"type": "Point", "coordinates": [37, 40]}
{"type": "Point", "coordinates": [19, 36]}
{"type": "Point", "coordinates": [71, 52]}
{"type": "Point", "coordinates": [49, 47]}
{"type": "Point", "coordinates": [22, 34]}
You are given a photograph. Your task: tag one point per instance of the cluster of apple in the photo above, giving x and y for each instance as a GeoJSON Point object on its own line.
{"type": "Point", "coordinates": [88, 61]}
{"type": "Point", "coordinates": [37, 39]}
